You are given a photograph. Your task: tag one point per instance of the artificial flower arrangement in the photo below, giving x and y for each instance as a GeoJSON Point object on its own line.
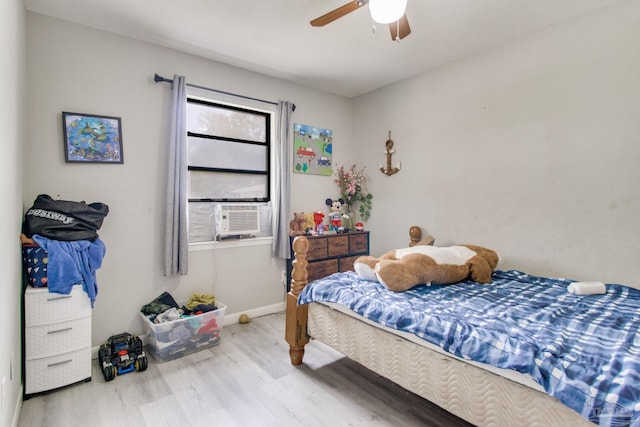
{"type": "Point", "coordinates": [352, 183]}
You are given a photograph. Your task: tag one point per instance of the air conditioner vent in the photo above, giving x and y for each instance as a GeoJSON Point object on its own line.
{"type": "Point", "coordinates": [237, 219]}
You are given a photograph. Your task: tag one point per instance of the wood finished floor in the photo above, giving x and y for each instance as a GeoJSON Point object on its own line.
{"type": "Point", "coordinates": [245, 381]}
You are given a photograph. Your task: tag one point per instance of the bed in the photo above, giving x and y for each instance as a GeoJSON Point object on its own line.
{"type": "Point", "coordinates": [441, 369]}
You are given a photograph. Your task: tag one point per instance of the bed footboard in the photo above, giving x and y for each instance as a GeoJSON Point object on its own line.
{"type": "Point", "coordinates": [296, 315]}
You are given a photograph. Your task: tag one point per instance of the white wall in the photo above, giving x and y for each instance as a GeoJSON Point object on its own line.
{"type": "Point", "coordinates": [74, 68]}
{"type": "Point", "coordinates": [532, 149]}
{"type": "Point", "coordinates": [12, 70]}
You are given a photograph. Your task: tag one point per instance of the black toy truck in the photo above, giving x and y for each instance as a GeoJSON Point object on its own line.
{"type": "Point", "coordinates": [121, 354]}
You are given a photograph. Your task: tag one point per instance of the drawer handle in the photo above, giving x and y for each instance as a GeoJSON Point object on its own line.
{"type": "Point", "coordinates": [60, 330]}
{"type": "Point", "coordinates": [60, 297]}
{"type": "Point", "coordinates": [59, 363]}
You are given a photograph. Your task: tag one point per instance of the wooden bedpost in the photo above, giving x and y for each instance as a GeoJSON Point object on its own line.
{"type": "Point", "coordinates": [296, 316]}
{"type": "Point", "coordinates": [415, 234]}
{"type": "Point", "coordinates": [415, 237]}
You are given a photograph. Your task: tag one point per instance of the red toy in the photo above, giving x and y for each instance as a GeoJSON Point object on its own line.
{"type": "Point", "coordinates": [318, 217]}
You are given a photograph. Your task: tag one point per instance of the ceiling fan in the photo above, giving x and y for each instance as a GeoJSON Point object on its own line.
{"type": "Point", "coordinates": [390, 12]}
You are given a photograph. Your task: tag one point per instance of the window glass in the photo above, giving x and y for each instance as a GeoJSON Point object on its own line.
{"type": "Point", "coordinates": [229, 150]}
{"type": "Point", "coordinates": [207, 119]}
{"type": "Point", "coordinates": [225, 186]}
{"type": "Point", "coordinates": [213, 153]}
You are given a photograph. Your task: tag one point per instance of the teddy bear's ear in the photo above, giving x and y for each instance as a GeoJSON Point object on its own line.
{"type": "Point", "coordinates": [328, 202]}
{"type": "Point", "coordinates": [341, 201]}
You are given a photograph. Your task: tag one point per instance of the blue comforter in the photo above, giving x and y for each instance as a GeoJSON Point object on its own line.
{"type": "Point", "coordinates": [584, 350]}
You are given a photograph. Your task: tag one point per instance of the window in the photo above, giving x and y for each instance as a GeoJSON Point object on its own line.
{"type": "Point", "coordinates": [229, 158]}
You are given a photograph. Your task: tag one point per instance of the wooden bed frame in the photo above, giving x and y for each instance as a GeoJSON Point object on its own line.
{"type": "Point", "coordinates": [471, 393]}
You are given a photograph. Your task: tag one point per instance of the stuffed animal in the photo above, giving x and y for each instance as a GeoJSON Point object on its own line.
{"type": "Point", "coordinates": [402, 269]}
{"type": "Point", "coordinates": [309, 223]}
{"type": "Point", "coordinates": [296, 226]}
{"type": "Point", "coordinates": [335, 215]}
{"type": "Point", "coordinates": [318, 217]}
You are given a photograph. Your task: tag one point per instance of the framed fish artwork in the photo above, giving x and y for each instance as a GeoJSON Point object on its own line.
{"type": "Point", "coordinates": [91, 138]}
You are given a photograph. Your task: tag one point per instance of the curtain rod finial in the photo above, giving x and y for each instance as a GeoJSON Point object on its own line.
{"type": "Point", "coordinates": [158, 78]}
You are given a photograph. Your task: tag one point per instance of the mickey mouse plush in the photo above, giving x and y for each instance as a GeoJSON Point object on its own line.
{"type": "Point", "coordinates": [335, 215]}
{"type": "Point", "coordinates": [401, 269]}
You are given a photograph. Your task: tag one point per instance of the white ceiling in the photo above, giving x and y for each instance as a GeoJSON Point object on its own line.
{"type": "Point", "coordinates": [274, 37]}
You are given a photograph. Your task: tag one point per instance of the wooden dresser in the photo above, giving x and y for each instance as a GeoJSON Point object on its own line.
{"type": "Point", "coordinates": [57, 339]}
{"type": "Point", "coordinates": [332, 253]}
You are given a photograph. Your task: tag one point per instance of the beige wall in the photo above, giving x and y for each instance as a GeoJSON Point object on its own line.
{"type": "Point", "coordinates": [532, 149]}
{"type": "Point", "coordinates": [74, 68]}
{"type": "Point", "coordinates": [12, 70]}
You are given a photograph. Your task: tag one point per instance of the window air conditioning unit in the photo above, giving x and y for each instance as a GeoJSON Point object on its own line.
{"type": "Point", "coordinates": [236, 219]}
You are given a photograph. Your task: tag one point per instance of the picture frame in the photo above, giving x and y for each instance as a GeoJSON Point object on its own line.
{"type": "Point", "coordinates": [91, 138]}
{"type": "Point", "coordinates": [312, 150]}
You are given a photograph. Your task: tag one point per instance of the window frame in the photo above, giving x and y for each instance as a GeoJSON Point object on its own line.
{"type": "Point", "coordinates": [268, 118]}
{"type": "Point", "coordinates": [253, 106]}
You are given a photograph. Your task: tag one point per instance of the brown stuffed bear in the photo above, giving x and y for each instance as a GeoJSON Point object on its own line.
{"type": "Point", "coordinates": [401, 269]}
{"type": "Point", "coordinates": [296, 226]}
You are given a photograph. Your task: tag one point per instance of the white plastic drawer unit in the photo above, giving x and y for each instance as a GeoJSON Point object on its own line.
{"type": "Point", "coordinates": [57, 371]}
{"type": "Point", "coordinates": [41, 307]}
{"type": "Point", "coordinates": [57, 339]}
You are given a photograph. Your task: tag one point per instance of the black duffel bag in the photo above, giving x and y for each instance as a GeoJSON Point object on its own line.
{"type": "Point", "coordinates": [64, 219]}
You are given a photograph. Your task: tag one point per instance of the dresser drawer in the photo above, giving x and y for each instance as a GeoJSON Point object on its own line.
{"type": "Point", "coordinates": [41, 307]}
{"type": "Point", "coordinates": [55, 338]}
{"type": "Point", "coordinates": [346, 263]}
{"type": "Point", "coordinates": [359, 243]}
{"type": "Point", "coordinates": [338, 245]}
{"type": "Point", "coordinates": [317, 249]}
{"type": "Point", "coordinates": [57, 371]}
{"type": "Point", "coordinates": [321, 269]}
{"type": "Point", "coordinates": [330, 253]}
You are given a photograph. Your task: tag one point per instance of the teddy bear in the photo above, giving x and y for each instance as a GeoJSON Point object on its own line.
{"type": "Point", "coordinates": [296, 226]}
{"type": "Point", "coordinates": [402, 269]}
{"type": "Point", "coordinates": [335, 216]}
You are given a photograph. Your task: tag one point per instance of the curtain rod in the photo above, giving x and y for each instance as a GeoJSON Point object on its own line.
{"type": "Point", "coordinates": [158, 78]}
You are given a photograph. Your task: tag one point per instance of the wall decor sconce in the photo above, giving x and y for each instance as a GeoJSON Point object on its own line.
{"type": "Point", "coordinates": [389, 152]}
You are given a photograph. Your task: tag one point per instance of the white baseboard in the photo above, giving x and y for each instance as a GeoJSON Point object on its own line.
{"type": "Point", "coordinates": [17, 409]}
{"type": "Point", "coordinates": [231, 319]}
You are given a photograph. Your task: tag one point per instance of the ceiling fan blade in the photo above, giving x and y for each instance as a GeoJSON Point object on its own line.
{"type": "Point", "coordinates": [403, 24]}
{"type": "Point", "coordinates": [337, 13]}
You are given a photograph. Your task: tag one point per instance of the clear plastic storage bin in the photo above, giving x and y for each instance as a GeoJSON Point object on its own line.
{"type": "Point", "coordinates": [177, 338]}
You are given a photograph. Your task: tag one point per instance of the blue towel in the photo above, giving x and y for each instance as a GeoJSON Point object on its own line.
{"type": "Point", "coordinates": [72, 263]}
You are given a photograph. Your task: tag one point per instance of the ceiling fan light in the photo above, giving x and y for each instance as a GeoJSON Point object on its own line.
{"type": "Point", "coordinates": [387, 11]}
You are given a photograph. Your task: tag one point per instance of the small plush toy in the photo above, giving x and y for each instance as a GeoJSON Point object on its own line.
{"type": "Point", "coordinates": [309, 223]}
{"type": "Point", "coordinates": [402, 269]}
{"type": "Point", "coordinates": [296, 226]}
{"type": "Point", "coordinates": [335, 216]}
{"type": "Point", "coordinates": [318, 217]}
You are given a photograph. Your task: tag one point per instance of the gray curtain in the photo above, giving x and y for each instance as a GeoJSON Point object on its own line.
{"type": "Point", "coordinates": [176, 241]}
{"type": "Point", "coordinates": [282, 181]}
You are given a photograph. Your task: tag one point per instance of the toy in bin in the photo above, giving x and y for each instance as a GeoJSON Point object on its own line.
{"type": "Point", "coordinates": [121, 354]}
